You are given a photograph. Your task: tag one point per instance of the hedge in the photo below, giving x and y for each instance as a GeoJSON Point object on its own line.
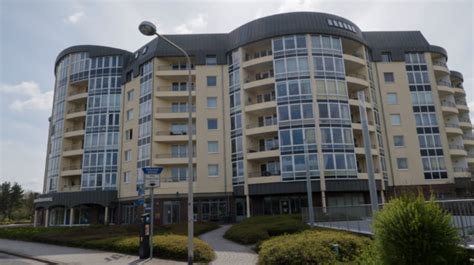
{"type": "Point", "coordinates": [259, 228]}
{"type": "Point", "coordinates": [311, 247]}
{"type": "Point", "coordinates": [123, 239]}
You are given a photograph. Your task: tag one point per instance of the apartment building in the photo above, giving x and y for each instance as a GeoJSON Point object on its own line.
{"type": "Point", "coordinates": [273, 100]}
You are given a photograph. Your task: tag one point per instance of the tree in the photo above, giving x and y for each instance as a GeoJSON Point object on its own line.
{"type": "Point", "coordinates": [15, 201]}
{"type": "Point", "coordinates": [4, 199]}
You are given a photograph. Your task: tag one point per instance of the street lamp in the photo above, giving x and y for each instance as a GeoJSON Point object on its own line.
{"type": "Point", "coordinates": [149, 29]}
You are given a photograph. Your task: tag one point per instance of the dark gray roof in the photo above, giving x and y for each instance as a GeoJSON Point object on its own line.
{"type": "Point", "coordinates": [200, 45]}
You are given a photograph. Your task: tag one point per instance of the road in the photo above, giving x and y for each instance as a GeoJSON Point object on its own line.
{"type": "Point", "coordinates": [7, 259]}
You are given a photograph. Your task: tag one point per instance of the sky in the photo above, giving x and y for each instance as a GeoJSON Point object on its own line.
{"type": "Point", "coordinates": [32, 33]}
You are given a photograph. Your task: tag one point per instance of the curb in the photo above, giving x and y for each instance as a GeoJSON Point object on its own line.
{"type": "Point", "coordinates": [49, 262]}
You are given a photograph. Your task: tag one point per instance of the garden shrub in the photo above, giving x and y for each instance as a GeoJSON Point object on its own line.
{"type": "Point", "coordinates": [411, 231]}
{"type": "Point", "coordinates": [258, 228]}
{"type": "Point", "coordinates": [311, 247]}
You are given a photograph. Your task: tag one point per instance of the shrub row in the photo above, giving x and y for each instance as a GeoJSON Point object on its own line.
{"type": "Point", "coordinates": [259, 228]}
{"type": "Point", "coordinates": [123, 239]}
{"type": "Point", "coordinates": [311, 247]}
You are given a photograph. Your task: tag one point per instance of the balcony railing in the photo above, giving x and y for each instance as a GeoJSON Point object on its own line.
{"type": "Point", "coordinates": [72, 188]}
{"type": "Point", "coordinates": [468, 137]}
{"type": "Point", "coordinates": [357, 76]}
{"type": "Point", "coordinates": [171, 179]}
{"type": "Point", "coordinates": [460, 169]}
{"type": "Point", "coordinates": [464, 119]}
{"type": "Point", "coordinates": [444, 83]}
{"type": "Point", "coordinates": [173, 155]}
{"type": "Point", "coordinates": [74, 110]}
{"type": "Point", "coordinates": [258, 54]}
{"type": "Point", "coordinates": [264, 173]}
{"type": "Point", "coordinates": [263, 148]}
{"type": "Point", "coordinates": [263, 123]}
{"type": "Point", "coordinates": [173, 88]}
{"type": "Point", "coordinates": [73, 147]}
{"type": "Point", "coordinates": [261, 100]}
{"type": "Point", "coordinates": [440, 64]}
{"type": "Point", "coordinates": [72, 167]}
{"type": "Point", "coordinates": [183, 132]}
{"type": "Point", "coordinates": [260, 76]}
{"type": "Point", "coordinates": [448, 104]}
{"type": "Point", "coordinates": [76, 92]}
{"type": "Point", "coordinates": [456, 146]}
{"type": "Point", "coordinates": [77, 128]}
{"type": "Point", "coordinates": [180, 109]}
{"type": "Point", "coordinates": [174, 67]}
{"type": "Point", "coordinates": [461, 102]}
{"type": "Point", "coordinates": [452, 125]}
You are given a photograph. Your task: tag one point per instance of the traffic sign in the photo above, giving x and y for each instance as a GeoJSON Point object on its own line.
{"type": "Point", "coordinates": [152, 170]}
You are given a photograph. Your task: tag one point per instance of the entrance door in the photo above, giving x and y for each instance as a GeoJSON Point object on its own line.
{"type": "Point", "coordinates": [171, 212]}
{"type": "Point", "coordinates": [241, 209]}
{"type": "Point", "coordinates": [285, 207]}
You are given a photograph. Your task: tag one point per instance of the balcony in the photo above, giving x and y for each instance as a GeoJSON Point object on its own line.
{"type": "Point", "coordinates": [262, 105]}
{"type": "Point", "coordinates": [453, 128]}
{"type": "Point", "coordinates": [468, 139]}
{"type": "Point", "coordinates": [73, 150]}
{"type": "Point", "coordinates": [173, 136]}
{"type": "Point", "coordinates": [457, 150]}
{"type": "Point", "coordinates": [356, 125]}
{"type": "Point", "coordinates": [267, 82]}
{"type": "Point", "coordinates": [263, 127]}
{"type": "Point", "coordinates": [262, 152]}
{"type": "Point", "coordinates": [354, 101]}
{"type": "Point", "coordinates": [461, 172]}
{"type": "Point", "coordinates": [73, 132]}
{"type": "Point", "coordinates": [264, 58]}
{"type": "Point", "coordinates": [174, 70]}
{"type": "Point", "coordinates": [356, 82]}
{"type": "Point", "coordinates": [465, 123]}
{"type": "Point", "coordinates": [173, 92]}
{"type": "Point", "coordinates": [449, 107]}
{"type": "Point", "coordinates": [360, 150]}
{"type": "Point", "coordinates": [353, 62]}
{"type": "Point", "coordinates": [261, 177]}
{"type": "Point", "coordinates": [71, 170]}
{"type": "Point", "coordinates": [75, 113]}
{"type": "Point", "coordinates": [77, 95]}
{"type": "Point", "coordinates": [72, 188]}
{"type": "Point", "coordinates": [462, 105]}
{"type": "Point", "coordinates": [458, 89]}
{"type": "Point", "coordinates": [173, 159]}
{"type": "Point", "coordinates": [440, 68]}
{"type": "Point", "coordinates": [180, 112]}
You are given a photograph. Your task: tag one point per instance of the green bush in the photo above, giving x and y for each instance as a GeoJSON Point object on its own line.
{"type": "Point", "coordinates": [259, 228]}
{"type": "Point", "coordinates": [311, 247]}
{"type": "Point", "coordinates": [411, 231]}
{"type": "Point", "coordinates": [123, 239]}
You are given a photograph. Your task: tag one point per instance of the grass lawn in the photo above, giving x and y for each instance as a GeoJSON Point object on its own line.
{"type": "Point", "coordinates": [170, 241]}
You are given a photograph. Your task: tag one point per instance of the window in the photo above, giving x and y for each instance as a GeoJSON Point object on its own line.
{"type": "Point", "coordinates": [211, 60]}
{"type": "Point", "coordinates": [386, 56]}
{"type": "Point", "coordinates": [213, 170]}
{"type": "Point", "coordinates": [211, 80]}
{"type": "Point", "coordinates": [129, 114]}
{"type": "Point", "coordinates": [212, 147]}
{"type": "Point", "coordinates": [212, 102]}
{"type": "Point", "coordinates": [402, 163]}
{"type": "Point", "coordinates": [395, 119]}
{"type": "Point", "coordinates": [126, 177]}
{"type": "Point", "coordinates": [398, 141]}
{"type": "Point", "coordinates": [392, 98]}
{"type": "Point", "coordinates": [129, 134]}
{"type": "Point", "coordinates": [388, 77]}
{"type": "Point", "coordinates": [130, 95]}
{"type": "Point", "coordinates": [128, 155]}
{"type": "Point", "coordinates": [212, 124]}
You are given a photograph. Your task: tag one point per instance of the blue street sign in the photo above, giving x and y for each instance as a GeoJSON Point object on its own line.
{"type": "Point", "coordinates": [152, 170]}
{"type": "Point", "coordinates": [139, 202]}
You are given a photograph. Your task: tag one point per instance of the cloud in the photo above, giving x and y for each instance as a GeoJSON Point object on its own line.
{"type": "Point", "coordinates": [297, 5]}
{"type": "Point", "coordinates": [193, 25]}
{"type": "Point", "coordinates": [31, 97]}
{"type": "Point", "coordinates": [76, 17]}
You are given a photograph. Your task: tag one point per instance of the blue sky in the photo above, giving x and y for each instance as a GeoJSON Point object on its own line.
{"type": "Point", "coordinates": [32, 33]}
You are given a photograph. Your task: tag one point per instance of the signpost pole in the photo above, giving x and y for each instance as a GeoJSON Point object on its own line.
{"type": "Point", "coordinates": [152, 216]}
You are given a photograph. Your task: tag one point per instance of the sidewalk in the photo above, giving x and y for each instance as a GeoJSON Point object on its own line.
{"type": "Point", "coordinates": [68, 255]}
{"type": "Point", "coordinates": [228, 252]}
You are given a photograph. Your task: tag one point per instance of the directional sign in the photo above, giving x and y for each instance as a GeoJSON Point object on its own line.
{"type": "Point", "coordinates": [152, 170]}
{"type": "Point", "coordinates": [139, 202]}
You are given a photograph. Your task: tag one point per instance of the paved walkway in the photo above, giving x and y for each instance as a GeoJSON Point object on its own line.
{"type": "Point", "coordinates": [228, 252]}
{"type": "Point", "coordinates": [66, 255]}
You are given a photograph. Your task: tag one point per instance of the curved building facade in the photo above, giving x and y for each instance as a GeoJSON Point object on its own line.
{"type": "Point", "coordinates": [275, 100]}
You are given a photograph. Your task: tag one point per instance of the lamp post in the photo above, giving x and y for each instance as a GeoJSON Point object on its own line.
{"type": "Point", "coordinates": [149, 29]}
